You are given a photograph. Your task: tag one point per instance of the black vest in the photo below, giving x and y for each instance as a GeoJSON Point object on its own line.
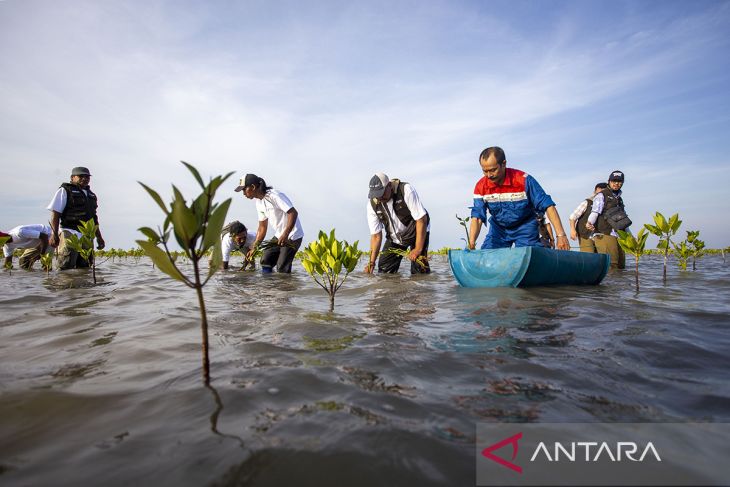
{"type": "Point", "coordinates": [580, 224]}
{"type": "Point", "coordinates": [401, 212]}
{"type": "Point", "coordinates": [614, 216]}
{"type": "Point", "coordinates": [79, 206]}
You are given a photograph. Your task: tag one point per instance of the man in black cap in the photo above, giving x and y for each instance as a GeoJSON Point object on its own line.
{"type": "Point", "coordinates": [395, 207]}
{"type": "Point", "coordinates": [72, 204]}
{"type": "Point", "coordinates": [607, 216]}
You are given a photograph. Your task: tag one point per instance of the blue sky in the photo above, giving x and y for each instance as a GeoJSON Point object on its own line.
{"type": "Point", "coordinates": [317, 96]}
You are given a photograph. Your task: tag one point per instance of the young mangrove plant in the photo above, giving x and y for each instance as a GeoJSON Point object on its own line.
{"type": "Point", "coordinates": [47, 262]}
{"type": "Point", "coordinates": [84, 245]}
{"type": "Point", "coordinates": [197, 230]}
{"type": "Point", "coordinates": [421, 260]}
{"type": "Point", "coordinates": [664, 229]}
{"type": "Point", "coordinates": [8, 263]}
{"type": "Point", "coordinates": [683, 251]}
{"type": "Point", "coordinates": [464, 222]}
{"type": "Point", "coordinates": [634, 246]}
{"type": "Point", "coordinates": [698, 247]}
{"type": "Point", "coordinates": [326, 258]}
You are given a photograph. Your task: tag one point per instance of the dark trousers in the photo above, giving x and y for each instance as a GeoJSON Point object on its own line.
{"type": "Point", "coordinates": [389, 263]}
{"type": "Point", "coordinates": [281, 257]}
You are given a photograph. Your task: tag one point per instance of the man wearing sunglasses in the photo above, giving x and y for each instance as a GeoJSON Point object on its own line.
{"type": "Point", "coordinates": [73, 203]}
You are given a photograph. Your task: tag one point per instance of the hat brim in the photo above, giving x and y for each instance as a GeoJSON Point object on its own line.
{"type": "Point", "coordinates": [240, 188]}
{"type": "Point", "coordinates": [376, 193]}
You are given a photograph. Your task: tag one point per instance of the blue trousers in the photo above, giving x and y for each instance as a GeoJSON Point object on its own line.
{"type": "Point", "coordinates": [526, 235]}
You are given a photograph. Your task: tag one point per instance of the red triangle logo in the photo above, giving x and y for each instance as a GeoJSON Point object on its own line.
{"type": "Point", "coordinates": [487, 452]}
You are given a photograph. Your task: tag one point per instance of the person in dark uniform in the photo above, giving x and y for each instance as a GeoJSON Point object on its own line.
{"type": "Point", "coordinates": [73, 203]}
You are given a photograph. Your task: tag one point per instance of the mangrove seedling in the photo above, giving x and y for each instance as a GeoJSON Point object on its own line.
{"type": "Point", "coordinates": [47, 262]}
{"type": "Point", "coordinates": [8, 263]}
{"type": "Point", "coordinates": [464, 222]}
{"type": "Point", "coordinates": [326, 258]}
{"type": "Point", "coordinates": [197, 230]}
{"type": "Point", "coordinates": [683, 251]}
{"type": "Point", "coordinates": [634, 246]}
{"type": "Point", "coordinates": [84, 245]}
{"type": "Point", "coordinates": [421, 260]}
{"type": "Point", "coordinates": [664, 229]}
{"type": "Point", "coordinates": [698, 247]}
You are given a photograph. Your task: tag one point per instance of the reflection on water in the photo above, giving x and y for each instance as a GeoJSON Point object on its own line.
{"type": "Point", "coordinates": [103, 381]}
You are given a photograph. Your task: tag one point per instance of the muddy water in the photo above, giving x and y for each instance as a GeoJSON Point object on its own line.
{"type": "Point", "coordinates": [101, 384]}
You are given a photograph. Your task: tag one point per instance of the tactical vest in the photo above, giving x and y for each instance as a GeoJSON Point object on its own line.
{"type": "Point", "coordinates": [580, 224]}
{"type": "Point", "coordinates": [614, 216]}
{"type": "Point", "coordinates": [401, 212]}
{"type": "Point", "coordinates": [79, 206]}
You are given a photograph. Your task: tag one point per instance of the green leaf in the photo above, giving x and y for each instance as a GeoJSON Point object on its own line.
{"type": "Point", "coordinates": [308, 266]}
{"type": "Point", "coordinates": [184, 222]}
{"type": "Point", "coordinates": [195, 173]}
{"type": "Point", "coordinates": [150, 234]}
{"type": "Point", "coordinates": [155, 196]}
{"type": "Point", "coordinates": [216, 258]}
{"type": "Point", "coordinates": [160, 259]}
{"type": "Point", "coordinates": [215, 225]}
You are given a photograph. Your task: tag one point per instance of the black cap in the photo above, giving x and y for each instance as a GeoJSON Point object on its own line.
{"type": "Point", "coordinates": [247, 180]}
{"type": "Point", "coordinates": [377, 185]}
{"type": "Point", "coordinates": [80, 171]}
{"type": "Point", "coordinates": [616, 176]}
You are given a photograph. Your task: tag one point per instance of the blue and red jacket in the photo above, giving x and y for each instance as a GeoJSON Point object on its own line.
{"type": "Point", "coordinates": [511, 204]}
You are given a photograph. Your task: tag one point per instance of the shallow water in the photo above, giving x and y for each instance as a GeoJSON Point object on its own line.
{"type": "Point", "coordinates": [101, 384]}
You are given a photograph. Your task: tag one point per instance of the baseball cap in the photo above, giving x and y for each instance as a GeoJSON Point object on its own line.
{"type": "Point", "coordinates": [377, 185]}
{"type": "Point", "coordinates": [80, 171]}
{"type": "Point", "coordinates": [247, 180]}
{"type": "Point", "coordinates": [616, 176]}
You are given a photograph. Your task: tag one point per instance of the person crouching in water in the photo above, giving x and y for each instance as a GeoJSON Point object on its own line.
{"type": "Point", "coordinates": [273, 205]}
{"type": "Point", "coordinates": [395, 207]}
{"type": "Point", "coordinates": [235, 236]}
{"type": "Point", "coordinates": [33, 239]}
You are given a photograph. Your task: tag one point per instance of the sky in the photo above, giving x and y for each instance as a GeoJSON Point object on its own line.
{"type": "Point", "coordinates": [317, 96]}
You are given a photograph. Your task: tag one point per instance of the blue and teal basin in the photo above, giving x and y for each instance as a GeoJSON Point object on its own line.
{"type": "Point", "coordinates": [526, 266]}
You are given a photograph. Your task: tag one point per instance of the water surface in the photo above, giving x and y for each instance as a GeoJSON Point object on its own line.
{"type": "Point", "coordinates": [101, 384]}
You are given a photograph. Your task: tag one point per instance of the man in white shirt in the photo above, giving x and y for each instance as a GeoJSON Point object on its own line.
{"type": "Point", "coordinates": [235, 236]}
{"type": "Point", "coordinates": [395, 207]}
{"type": "Point", "coordinates": [273, 206]}
{"type": "Point", "coordinates": [33, 238]}
{"type": "Point", "coordinates": [73, 203]}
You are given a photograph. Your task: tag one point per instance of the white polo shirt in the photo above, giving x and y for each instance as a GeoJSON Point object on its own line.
{"type": "Point", "coordinates": [273, 207]}
{"type": "Point", "coordinates": [26, 237]}
{"type": "Point", "coordinates": [228, 245]}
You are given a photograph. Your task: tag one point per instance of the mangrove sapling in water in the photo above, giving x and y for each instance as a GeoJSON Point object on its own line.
{"type": "Point", "coordinates": [664, 230]}
{"type": "Point", "coordinates": [683, 251]}
{"type": "Point", "coordinates": [634, 246]}
{"type": "Point", "coordinates": [8, 264]}
{"type": "Point", "coordinates": [47, 262]}
{"type": "Point", "coordinates": [421, 260]}
{"type": "Point", "coordinates": [84, 245]}
{"type": "Point", "coordinates": [698, 247]}
{"type": "Point", "coordinates": [327, 257]}
{"type": "Point", "coordinates": [197, 230]}
{"type": "Point", "coordinates": [464, 222]}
